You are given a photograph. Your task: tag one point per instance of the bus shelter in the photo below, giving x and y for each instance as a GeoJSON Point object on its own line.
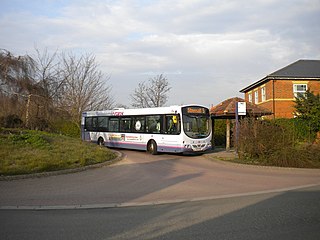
{"type": "Point", "coordinates": [228, 110]}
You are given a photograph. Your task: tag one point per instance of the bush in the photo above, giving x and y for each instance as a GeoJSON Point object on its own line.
{"type": "Point", "coordinates": [300, 129]}
{"type": "Point", "coordinates": [67, 128]}
{"type": "Point", "coordinates": [260, 138]}
{"type": "Point", "coordinates": [304, 156]}
{"type": "Point", "coordinates": [32, 138]}
{"type": "Point", "coordinates": [11, 121]}
{"type": "Point", "coordinates": [271, 143]}
{"type": "Point", "coordinates": [220, 132]}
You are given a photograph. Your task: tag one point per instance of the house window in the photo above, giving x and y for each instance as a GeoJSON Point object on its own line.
{"type": "Point", "coordinates": [256, 97]}
{"type": "Point", "coordinates": [299, 90]}
{"type": "Point", "coordinates": [263, 94]}
{"type": "Point", "coordinates": [250, 97]}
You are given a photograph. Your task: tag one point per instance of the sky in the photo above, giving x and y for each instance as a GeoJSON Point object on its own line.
{"type": "Point", "coordinates": [208, 49]}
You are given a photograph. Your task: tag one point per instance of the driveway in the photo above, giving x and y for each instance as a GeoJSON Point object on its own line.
{"type": "Point", "coordinates": [141, 179]}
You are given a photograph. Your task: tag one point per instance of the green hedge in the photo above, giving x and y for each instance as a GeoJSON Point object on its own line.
{"type": "Point", "coordinates": [300, 129]}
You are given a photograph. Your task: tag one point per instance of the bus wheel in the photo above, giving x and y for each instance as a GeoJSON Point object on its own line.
{"type": "Point", "coordinates": [152, 147]}
{"type": "Point", "coordinates": [100, 141]}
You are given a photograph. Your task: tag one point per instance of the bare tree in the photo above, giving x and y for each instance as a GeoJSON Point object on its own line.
{"type": "Point", "coordinates": [139, 97]}
{"type": "Point", "coordinates": [151, 94]}
{"type": "Point", "coordinates": [16, 84]}
{"type": "Point", "coordinates": [84, 86]}
{"type": "Point", "coordinates": [39, 89]}
{"type": "Point", "coordinates": [47, 73]}
{"type": "Point", "coordinates": [15, 73]}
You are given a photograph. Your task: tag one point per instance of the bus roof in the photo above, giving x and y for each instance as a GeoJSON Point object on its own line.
{"type": "Point", "coordinates": [140, 111]}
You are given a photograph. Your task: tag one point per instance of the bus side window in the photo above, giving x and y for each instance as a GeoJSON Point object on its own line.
{"type": "Point", "coordinates": [94, 124]}
{"type": "Point", "coordinates": [153, 124]}
{"type": "Point", "coordinates": [113, 124]}
{"type": "Point", "coordinates": [139, 124]}
{"type": "Point", "coordinates": [88, 124]}
{"type": "Point", "coordinates": [103, 124]}
{"type": "Point", "coordinates": [125, 124]}
{"type": "Point", "coordinates": [172, 124]}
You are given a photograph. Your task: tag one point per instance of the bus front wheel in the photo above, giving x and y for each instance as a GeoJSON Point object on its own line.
{"type": "Point", "coordinates": [152, 147]}
{"type": "Point", "coordinates": [100, 141]}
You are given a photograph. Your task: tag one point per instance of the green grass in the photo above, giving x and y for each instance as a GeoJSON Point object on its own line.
{"type": "Point", "coordinates": [25, 152]}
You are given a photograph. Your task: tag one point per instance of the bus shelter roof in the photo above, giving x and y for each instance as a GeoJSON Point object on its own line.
{"type": "Point", "coordinates": [227, 109]}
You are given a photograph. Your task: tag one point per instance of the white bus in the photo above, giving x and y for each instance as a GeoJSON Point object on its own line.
{"type": "Point", "coordinates": [174, 129]}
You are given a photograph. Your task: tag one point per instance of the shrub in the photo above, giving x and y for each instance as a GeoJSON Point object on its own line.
{"type": "Point", "coordinates": [32, 138]}
{"type": "Point", "coordinates": [67, 128]}
{"type": "Point", "coordinates": [219, 132]}
{"type": "Point", "coordinates": [308, 108]}
{"type": "Point", "coordinates": [271, 143]}
{"type": "Point", "coordinates": [299, 128]}
{"type": "Point", "coordinates": [11, 121]}
{"type": "Point", "coordinates": [261, 138]}
{"type": "Point", "coordinates": [295, 156]}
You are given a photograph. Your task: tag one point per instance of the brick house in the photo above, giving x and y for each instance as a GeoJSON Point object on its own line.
{"type": "Point", "coordinates": [277, 91]}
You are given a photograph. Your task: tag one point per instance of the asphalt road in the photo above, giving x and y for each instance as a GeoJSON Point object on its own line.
{"type": "Point", "coordinates": [142, 179]}
{"type": "Point", "coordinates": [283, 215]}
{"type": "Point", "coordinates": [164, 197]}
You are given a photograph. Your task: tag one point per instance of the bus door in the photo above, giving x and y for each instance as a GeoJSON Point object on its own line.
{"type": "Point", "coordinates": [170, 139]}
{"type": "Point", "coordinates": [85, 134]}
{"type": "Point", "coordinates": [90, 129]}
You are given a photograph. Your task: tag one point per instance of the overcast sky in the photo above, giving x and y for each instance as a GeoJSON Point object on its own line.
{"type": "Point", "coordinates": [208, 50]}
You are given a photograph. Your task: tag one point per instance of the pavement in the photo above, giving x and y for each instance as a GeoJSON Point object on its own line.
{"type": "Point", "coordinates": [222, 154]}
{"type": "Point", "coordinates": [143, 179]}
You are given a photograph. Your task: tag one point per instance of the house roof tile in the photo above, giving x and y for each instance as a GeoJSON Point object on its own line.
{"type": "Point", "coordinates": [227, 109]}
{"type": "Point", "coordinates": [301, 69]}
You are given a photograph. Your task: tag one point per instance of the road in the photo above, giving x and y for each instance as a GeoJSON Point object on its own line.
{"type": "Point", "coordinates": [145, 179]}
{"type": "Point", "coordinates": [164, 197]}
{"type": "Point", "coordinates": [284, 215]}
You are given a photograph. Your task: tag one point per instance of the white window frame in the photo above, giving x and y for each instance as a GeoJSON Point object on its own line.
{"type": "Point", "coordinates": [297, 92]}
{"type": "Point", "coordinates": [250, 97]}
{"type": "Point", "coordinates": [263, 94]}
{"type": "Point", "coordinates": [256, 97]}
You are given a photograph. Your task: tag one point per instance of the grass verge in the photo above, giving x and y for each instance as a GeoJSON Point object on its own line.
{"type": "Point", "coordinates": [25, 152]}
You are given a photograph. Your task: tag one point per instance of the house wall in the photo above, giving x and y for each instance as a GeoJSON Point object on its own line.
{"type": "Point", "coordinates": [280, 97]}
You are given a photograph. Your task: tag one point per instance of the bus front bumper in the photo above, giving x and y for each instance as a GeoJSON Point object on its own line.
{"type": "Point", "coordinates": [197, 147]}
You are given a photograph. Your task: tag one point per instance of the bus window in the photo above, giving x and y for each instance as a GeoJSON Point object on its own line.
{"type": "Point", "coordinates": [88, 123]}
{"type": "Point", "coordinates": [153, 124]}
{"type": "Point", "coordinates": [103, 124]}
{"type": "Point", "coordinates": [125, 124]}
{"type": "Point", "coordinates": [113, 124]}
{"type": "Point", "coordinates": [95, 123]}
{"type": "Point", "coordinates": [139, 124]}
{"type": "Point", "coordinates": [172, 124]}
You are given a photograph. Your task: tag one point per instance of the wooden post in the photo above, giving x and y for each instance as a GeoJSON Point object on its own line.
{"type": "Point", "coordinates": [28, 111]}
{"type": "Point", "coordinates": [228, 135]}
{"type": "Point", "coordinates": [212, 127]}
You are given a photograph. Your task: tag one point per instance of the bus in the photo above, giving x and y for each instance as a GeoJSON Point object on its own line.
{"type": "Point", "coordinates": [175, 129]}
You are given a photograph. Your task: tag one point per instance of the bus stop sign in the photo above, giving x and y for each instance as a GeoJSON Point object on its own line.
{"type": "Point", "coordinates": [242, 108]}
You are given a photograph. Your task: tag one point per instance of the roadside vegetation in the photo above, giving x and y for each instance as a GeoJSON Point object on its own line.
{"type": "Point", "coordinates": [284, 142]}
{"type": "Point", "coordinates": [48, 91]}
{"type": "Point", "coordinates": [28, 151]}
{"type": "Point", "coordinates": [278, 142]}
